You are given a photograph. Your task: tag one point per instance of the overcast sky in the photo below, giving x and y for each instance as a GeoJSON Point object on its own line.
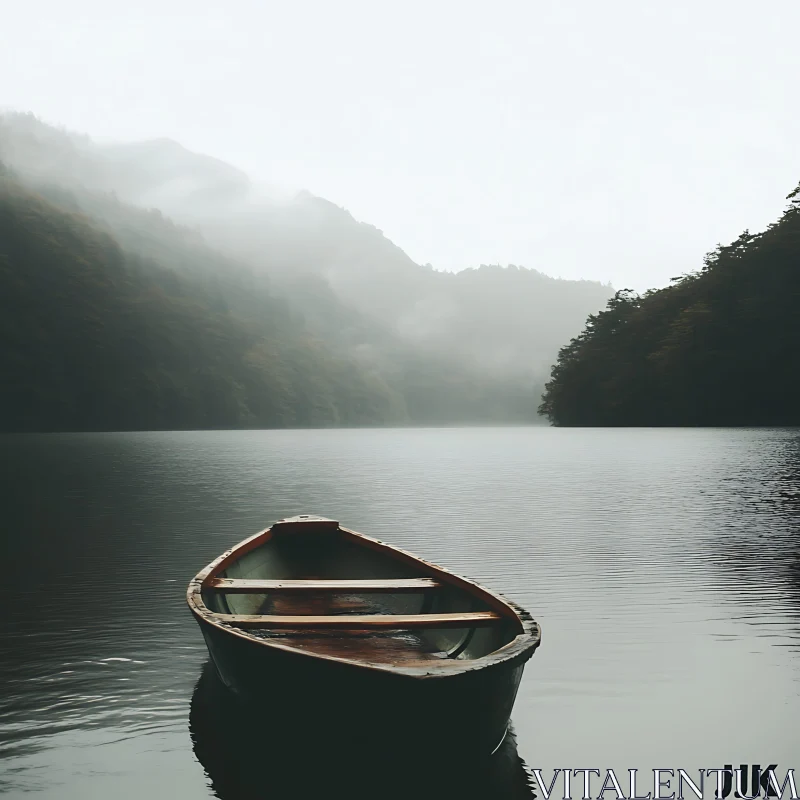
{"type": "Point", "coordinates": [616, 140]}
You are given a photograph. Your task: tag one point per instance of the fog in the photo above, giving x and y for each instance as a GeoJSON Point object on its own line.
{"type": "Point", "coordinates": [227, 303]}
{"type": "Point", "coordinates": [502, 321]}
{"type": "Point", "coordinates": [616, 142]}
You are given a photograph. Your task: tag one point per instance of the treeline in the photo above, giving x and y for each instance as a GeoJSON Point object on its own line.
{"type": "Point", "coordinates": [718, 347]}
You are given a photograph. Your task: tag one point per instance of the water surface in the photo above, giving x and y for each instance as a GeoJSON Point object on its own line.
{"type": "Point", "coordinates": [663, 566]}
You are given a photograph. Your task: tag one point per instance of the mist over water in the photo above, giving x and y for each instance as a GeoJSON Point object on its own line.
{"type": "Point", "coordinates": [663, 566]}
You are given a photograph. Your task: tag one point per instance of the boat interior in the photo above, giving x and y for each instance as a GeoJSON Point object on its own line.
{"type": "Point", "coordinates": [316, 587]}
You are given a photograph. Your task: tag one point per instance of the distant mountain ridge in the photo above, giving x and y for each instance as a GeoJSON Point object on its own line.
{"type": "Point", "coordinates": [479, 342]}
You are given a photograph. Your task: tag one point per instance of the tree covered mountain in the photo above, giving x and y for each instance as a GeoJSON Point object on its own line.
{"type": "Point", "coordinates": [97, 338]}
{"type": "Point", "coordinates": [718, 347]}
{"type": "Point", "coordinates": [249, 310]}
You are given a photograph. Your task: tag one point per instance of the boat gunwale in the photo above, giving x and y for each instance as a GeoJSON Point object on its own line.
{"type": "Point", "coordinates": [519, 649]}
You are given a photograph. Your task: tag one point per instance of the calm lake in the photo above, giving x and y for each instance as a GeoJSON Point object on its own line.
{"type": "Point", "coordinates": [662, 565]}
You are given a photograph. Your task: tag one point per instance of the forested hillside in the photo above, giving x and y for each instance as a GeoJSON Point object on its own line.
{"type": "Point", "coordinates": [95, 338]}
{"type": "Point", "coordinates": [221, 306]}
{"type": "Point", "coordinates": [719, 347]}
{"type": "Point", "coordinates": [124, 320]}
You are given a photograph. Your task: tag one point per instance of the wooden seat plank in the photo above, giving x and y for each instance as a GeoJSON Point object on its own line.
{"type": "Point", "coordinates": [258, 586]}
{"type": "Point", "coordinates": [470, 619]}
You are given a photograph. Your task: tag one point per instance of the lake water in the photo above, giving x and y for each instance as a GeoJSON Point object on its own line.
{"type": "Point", "coordinates": [663, 566]}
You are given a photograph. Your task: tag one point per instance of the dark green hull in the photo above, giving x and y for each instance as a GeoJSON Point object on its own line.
{"type": "Point", "coordinates": [469, 711]}
{"type": "Point", "coordinates": [248, 757]}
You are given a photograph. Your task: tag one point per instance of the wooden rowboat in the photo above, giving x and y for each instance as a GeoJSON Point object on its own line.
{"type": "Point", "coordinates": [329, 626]}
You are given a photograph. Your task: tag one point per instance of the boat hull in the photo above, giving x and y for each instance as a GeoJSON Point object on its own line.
{"type": "Point", "coordinates": [248, 760]}
{"type": "Point", "coordinates": [467, 711]}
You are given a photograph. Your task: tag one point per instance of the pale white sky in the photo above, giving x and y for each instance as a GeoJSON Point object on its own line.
{"type": "Point", "coordinates": [616, 140]}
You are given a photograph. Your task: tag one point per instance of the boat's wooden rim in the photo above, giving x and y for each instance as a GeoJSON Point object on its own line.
{"type": "Point", "coordinates": [519, 649]}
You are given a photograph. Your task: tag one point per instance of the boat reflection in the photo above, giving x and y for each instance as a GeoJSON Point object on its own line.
{"type": "Point", "coordinates": [247, 758]}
